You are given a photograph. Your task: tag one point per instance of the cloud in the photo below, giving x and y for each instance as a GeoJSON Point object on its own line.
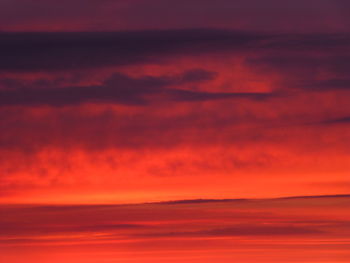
{"type": "Point", "coordinates": [330, 121]}
{"type": "Point", "coordinates": [315, 71]}
{"type": "Point", "coordinates": [223, 218]}
{"type": "Point", "coordinates": [263, 230]}
{"type": "Point", "coordinates": [326, 85]}
{"type": "Point", "coordinates": [316, 197]}
{"type": "Point", "coordinates": [200, 201]}
{"type": "Point", "coordinates": [344, 120]}
{"type": "Point", "coordinates": [8, 229]}
{"type": "Point", "coordinates": [243, 230]}
{"type": "Point", "coordinates": [122, 89]}
{"type": "Point", "coordinates": [204, 201]}
{"type": "Point", "coordinates": [145, 121]}
{"type": "Point", "coordinates": [63, 51]}
{"type": "Point", "coordinates": [31, 52]}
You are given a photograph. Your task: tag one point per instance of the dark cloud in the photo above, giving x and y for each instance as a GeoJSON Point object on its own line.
{"type": "Point", "coordinates": [122, 89]}
{"type": "Point", "coordinates": [344, 120]}
{"type": "Point", "coordinates": [316, 197]}
{"type": "Point", "coordinates": [204, 201]}
{"type": "Point", "coordinates": [316, 71]}
{"type": "Point", "coordinates": [330, 122]}
{"type": "Point", "coordinates": [302, 65]}
{"type": "Point", "coordinates": [64, 51]}
{"type": "Point", "coordinates": [201, 201]}
{"type": "Point", "coordinates": [325, 85]}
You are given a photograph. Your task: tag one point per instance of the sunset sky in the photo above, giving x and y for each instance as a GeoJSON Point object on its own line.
{"type": "Point", "coordinates": [174, 131]}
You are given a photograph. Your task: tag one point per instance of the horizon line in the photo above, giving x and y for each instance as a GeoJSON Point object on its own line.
{"type": "Point", "coordinates": [182, 201]}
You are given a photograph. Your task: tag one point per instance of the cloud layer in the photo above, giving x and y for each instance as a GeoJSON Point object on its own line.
{"type": "Point", "coordinates": [150, 110]}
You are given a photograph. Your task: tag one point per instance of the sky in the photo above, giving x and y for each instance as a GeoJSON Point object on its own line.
{"type": "Point", "coordinates": [111, 109]}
